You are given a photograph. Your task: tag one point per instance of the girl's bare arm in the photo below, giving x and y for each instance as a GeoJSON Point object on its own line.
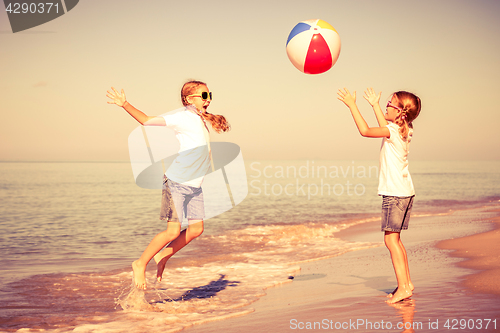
{"type": "Point", "coordinates": [119, 99]}
{"type": "Point", "coordinates": [363, 128]}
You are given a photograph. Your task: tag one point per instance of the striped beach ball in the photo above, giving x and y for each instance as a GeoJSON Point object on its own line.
{"type": "Point", "coordinates": [313, 46]}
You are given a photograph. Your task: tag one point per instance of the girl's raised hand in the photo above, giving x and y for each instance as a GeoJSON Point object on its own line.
{"type": "Point", "coordinates": [346, 97]}
{"type": "Point", "coordinates": [116, 97]}
{"type": "Point", "coordinates": [372, 97]}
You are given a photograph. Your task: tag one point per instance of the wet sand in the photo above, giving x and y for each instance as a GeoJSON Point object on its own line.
{"type": "Point", "coordinates": [482, 253]}
{"type": "Point", "coordinates": [348, 292]}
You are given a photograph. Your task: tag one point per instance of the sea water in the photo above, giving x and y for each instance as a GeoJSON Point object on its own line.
{"type": "Point", "coordinates": [69, 232]}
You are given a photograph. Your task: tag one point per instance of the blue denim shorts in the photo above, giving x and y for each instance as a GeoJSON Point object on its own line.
{"type": "Point", "coordinates": [396, 213]}
{"type": "Point", "coordinates": [179, 201]}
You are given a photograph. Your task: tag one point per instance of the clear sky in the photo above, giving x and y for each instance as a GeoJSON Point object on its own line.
{"type": "Point", "coordinates": [54, 77]}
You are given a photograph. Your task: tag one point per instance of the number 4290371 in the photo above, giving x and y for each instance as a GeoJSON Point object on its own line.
{"type": "Point", "coordinates": [469, 324]}
{"type": "Point", "coordinates": [32, 8]}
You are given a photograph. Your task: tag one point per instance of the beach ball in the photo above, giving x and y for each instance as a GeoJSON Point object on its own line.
{"type": "Point", "coordinates": [313, 46]}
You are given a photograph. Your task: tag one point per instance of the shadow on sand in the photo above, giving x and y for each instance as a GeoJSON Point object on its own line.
{"type": "Point", "coordinates": [205, 291]}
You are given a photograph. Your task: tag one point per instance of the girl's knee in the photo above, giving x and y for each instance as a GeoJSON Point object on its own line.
{"type": "Point", "coordinates": [196, 229]}
{"type": "Point", "coordinates": [391, 239]}
{"type": "Point", "coordinates": [173, 230]}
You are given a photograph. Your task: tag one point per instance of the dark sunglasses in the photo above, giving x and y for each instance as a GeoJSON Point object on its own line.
{"type": "Point", "coordinates": [204, 96]}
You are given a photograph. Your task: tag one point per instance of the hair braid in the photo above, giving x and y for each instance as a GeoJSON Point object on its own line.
{"type": "Point", "coordinates": [218, 122]}
{"type": "Point", "coordinates": [410, 109]}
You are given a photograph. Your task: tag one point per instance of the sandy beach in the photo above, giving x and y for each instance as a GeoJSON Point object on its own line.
{"type": "Point", "coordinates": [482, 252]}
{"type": "Point", "coordinates": [348, 292]}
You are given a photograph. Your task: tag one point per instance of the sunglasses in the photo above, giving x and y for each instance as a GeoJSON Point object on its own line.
{"type": "Point", "coordinates": [393, 106]}
{"type": "Point", "coordinates": [204, 96]}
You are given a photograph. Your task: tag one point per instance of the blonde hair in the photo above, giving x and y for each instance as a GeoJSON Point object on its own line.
{"type": "Point", "coordinates": [218, 122]}
{"type": "Point", "coordinates": [410, 105]}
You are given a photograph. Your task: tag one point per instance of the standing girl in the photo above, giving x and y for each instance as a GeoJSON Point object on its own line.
{"type": "Point", "coordinates": [395, 184]}
{"type": "Point", "coordinates": [182, 193]}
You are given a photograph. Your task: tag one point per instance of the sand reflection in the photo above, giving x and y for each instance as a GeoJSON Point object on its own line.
{"type": "Point", "coordinates": [406, 309]}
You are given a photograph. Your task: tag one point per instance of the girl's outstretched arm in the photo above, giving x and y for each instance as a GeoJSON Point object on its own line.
{"type": "Point", "coordinates": [363, 128]}
{"type": "Point", "coordinates": [374, 101]}
{"type": "Point", "coordinates": [120, 100]}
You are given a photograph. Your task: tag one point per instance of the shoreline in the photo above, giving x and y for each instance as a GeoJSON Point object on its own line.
{"type": "Point", "coordinates": [481, 252]}
{"type": "Point", "coordinates": [353, 286]}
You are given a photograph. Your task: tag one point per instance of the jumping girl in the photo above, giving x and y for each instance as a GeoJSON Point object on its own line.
{"type": "Point", "coordinates": [182, 192]}
{"type": "Point", "coordinates": [395, 184]}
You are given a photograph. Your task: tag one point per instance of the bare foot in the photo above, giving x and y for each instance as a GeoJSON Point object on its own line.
{"type": "Point", "coordinates": [161, 261]}
{"type": "Point", "coordinates": [160, 267]}
{"type": "Point", "coordinates": [400, 295]}
{"type": "Point", "coordinates": [412, 287]}
{"type": "Point", "coordinates": [139, 275]}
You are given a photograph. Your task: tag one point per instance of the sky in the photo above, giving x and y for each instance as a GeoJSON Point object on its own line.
{"type": "Point", "coordinates": [54, 77]}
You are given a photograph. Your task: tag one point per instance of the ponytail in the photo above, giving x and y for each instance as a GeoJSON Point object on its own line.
{"type": "Point", "coordinates": [410, 105]}
{"type": "Point", "coordinates": [218, 122]}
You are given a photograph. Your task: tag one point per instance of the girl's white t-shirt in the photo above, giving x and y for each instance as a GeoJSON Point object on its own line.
{"type": "Point", "coordinates": [394, 176]}
{"type": "Point", "coordinates": [193, 161]}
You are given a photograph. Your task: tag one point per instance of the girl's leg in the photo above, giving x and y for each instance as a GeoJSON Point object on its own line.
{"type": "Point", "coordinates": [158, 242]}
{"type": "Point", "coordinates": [410, 284]}
{"type": "Point", "coordinates": [407, 269]}
{"type": "Point", "coordinates": [399, 261]}
{"type": "Point", "coordinates": [194, 230]}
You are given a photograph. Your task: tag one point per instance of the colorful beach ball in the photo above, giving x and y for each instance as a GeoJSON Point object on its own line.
{"type": "Point", "coordinates": [313, 46]}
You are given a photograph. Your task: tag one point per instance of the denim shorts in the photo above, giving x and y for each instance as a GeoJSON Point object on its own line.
{"type": "Point", "coordinates": [178, 201]}
{"type": "Point", "coordinates": [396, 213]}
